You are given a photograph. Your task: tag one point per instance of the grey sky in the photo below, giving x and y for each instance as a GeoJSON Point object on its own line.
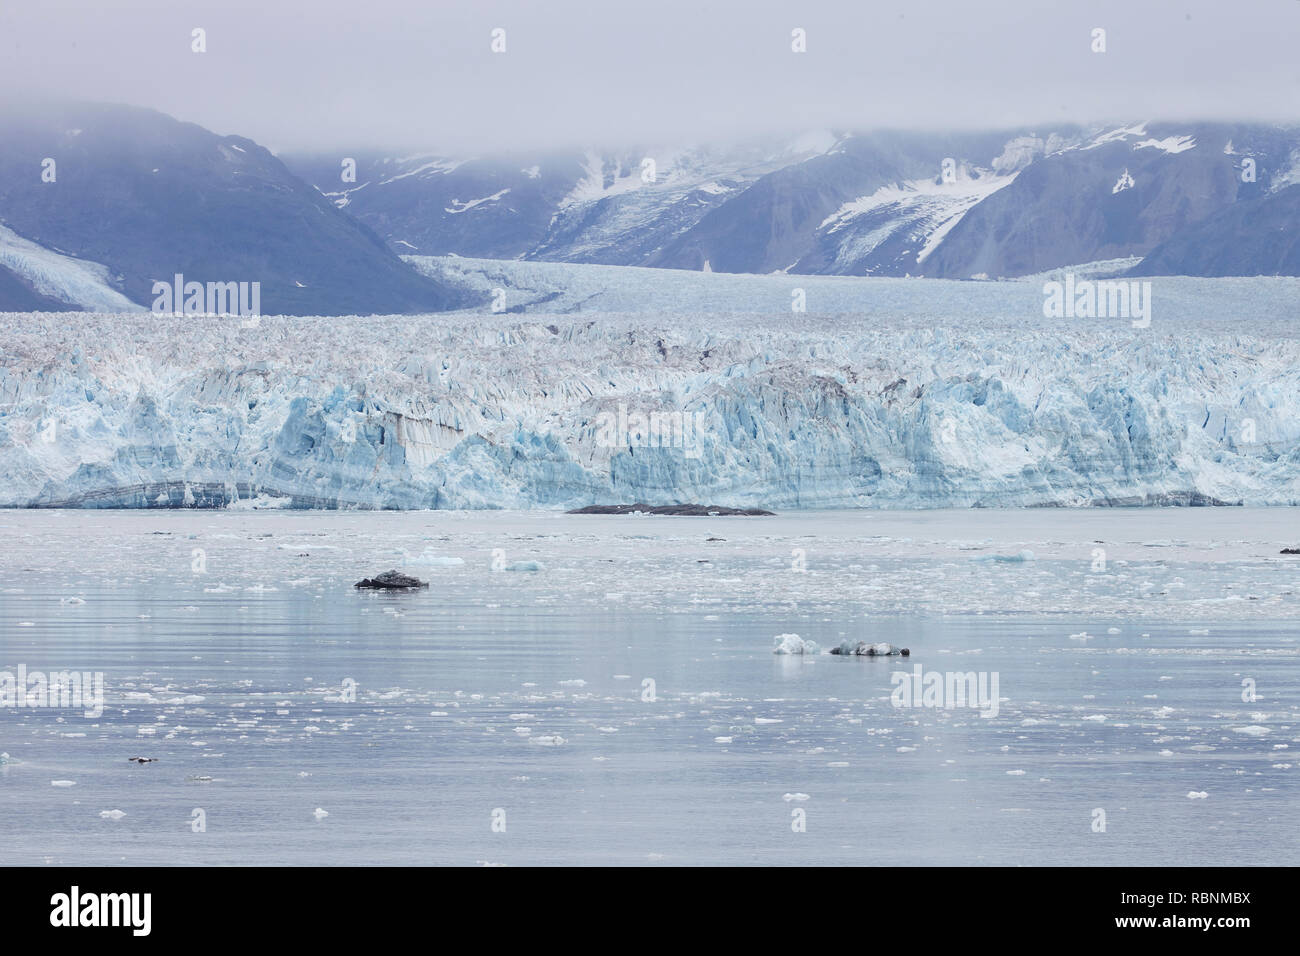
{"type": "Point", "coordinates": [419, 74]}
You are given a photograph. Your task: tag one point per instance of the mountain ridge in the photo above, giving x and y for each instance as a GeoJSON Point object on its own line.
{"type": "Point", "coordinates": [1003, 203]}
{"type": "Point", "coordinates": [141, 197]}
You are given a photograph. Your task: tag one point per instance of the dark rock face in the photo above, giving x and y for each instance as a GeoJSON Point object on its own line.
{"type": "Point", "coordinates": [1254, 237]}
{"type": "Point", "coordinates": [392, 581]}
{"type": "Point", "coordinates": [866, 649]}
{"type": "Point", "coordinates": [1290, 551]}
{"type": "Point", "coordinates": [426, 206]}
{"type": "Point", "coordinates": [690, 511]}
{"type": "Point", "coordinates": [1066, 209]}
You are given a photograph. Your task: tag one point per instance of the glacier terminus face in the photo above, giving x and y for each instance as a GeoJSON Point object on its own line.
{"type": "Point", "coordinates": [924, 407]}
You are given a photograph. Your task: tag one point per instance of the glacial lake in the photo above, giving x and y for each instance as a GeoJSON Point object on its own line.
{"type": "Point", "coordinates": [620, 702]}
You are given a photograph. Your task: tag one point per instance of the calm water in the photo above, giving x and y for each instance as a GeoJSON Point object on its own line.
{"type": "Point", "coordinates": [622, 704]}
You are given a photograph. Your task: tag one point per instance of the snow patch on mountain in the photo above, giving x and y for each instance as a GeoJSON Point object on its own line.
{"type": "Point", "coordinates": [1289, 176]}
{"type": "Point", "coordinates": [435, 166]}
{"type": "Point", "coordinates": [1117, 135]}
{"type": "Point", "coordinates": [458, 207]}
{"type": "Point", "coordinates": [1170, 144]}
{"type": "Point", "coordinates": [1020, 151]}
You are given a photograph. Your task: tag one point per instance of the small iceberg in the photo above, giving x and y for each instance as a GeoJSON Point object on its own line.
{"type": "Point", "coordinates": [1019, 557]}
{"type": "Point", "coordinates": [526, 566]}
{"type": "Point", "coordinates": [430, 558]}
{"type": "Point", "coordinates": [793, 644]}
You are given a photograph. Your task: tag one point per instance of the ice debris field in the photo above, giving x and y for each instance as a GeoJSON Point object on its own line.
{"type": "Point", "coordinates": [623, 701]}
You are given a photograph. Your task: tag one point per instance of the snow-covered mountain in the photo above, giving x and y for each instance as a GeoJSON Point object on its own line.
{"type": "Point", "coordinates": [955, 394]}
{"type": "Point", "coordinates": [1119, 193]}
{"type": "Point", "coordinates": [98, 202]}
{"type": "Point", "coordinates": [616, 208]}
{"type": "Point", "coordinates": [996, 204]}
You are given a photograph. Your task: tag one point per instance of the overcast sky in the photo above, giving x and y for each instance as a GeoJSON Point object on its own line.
{"type": "Point", "coordinates": [420, 74]}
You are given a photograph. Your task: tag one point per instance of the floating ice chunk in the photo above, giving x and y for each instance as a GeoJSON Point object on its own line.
{"type": "Point", "coordinates": [723, 740]}
{"type": "Point", "coordinates": [554, 740]}
{"type": "Point", "coordinates": [63, 783]}
{"type": "Point", "coordinates": [1196, 794]}
{"type": "Point", "coordinates": [1253, 730]}
{"type": "Point", "coordinates": [794, 796]}
{"type": "Point", "coordinates": [1015, 773]}
{"type": "Point", "coordinates": [112, 814]}
{"type": "Point", "coordinates": [320, 814]}
{"type": "Point", "coordinates": [526, 566]}
{"type": "Point", "coordinates": [430, 558]}
{"type": "Point", "coordinates": [1019, 557]}
{"type": "Point", "coordinates": [575, 682]}
{"type": "Point", "coordinates": [793, 644]}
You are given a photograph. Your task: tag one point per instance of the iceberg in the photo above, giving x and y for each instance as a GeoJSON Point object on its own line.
{"type": "Point", "coordinates": [793, 644]}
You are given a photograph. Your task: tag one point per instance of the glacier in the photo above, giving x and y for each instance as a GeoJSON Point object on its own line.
{"type": "Point", "coordinates": [963, 397]}
{"type": "Point", "coordinates": [78, 282]}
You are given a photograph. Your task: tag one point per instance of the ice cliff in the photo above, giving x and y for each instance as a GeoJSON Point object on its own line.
{"type": "Point", "coordinates": [522, 412]}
